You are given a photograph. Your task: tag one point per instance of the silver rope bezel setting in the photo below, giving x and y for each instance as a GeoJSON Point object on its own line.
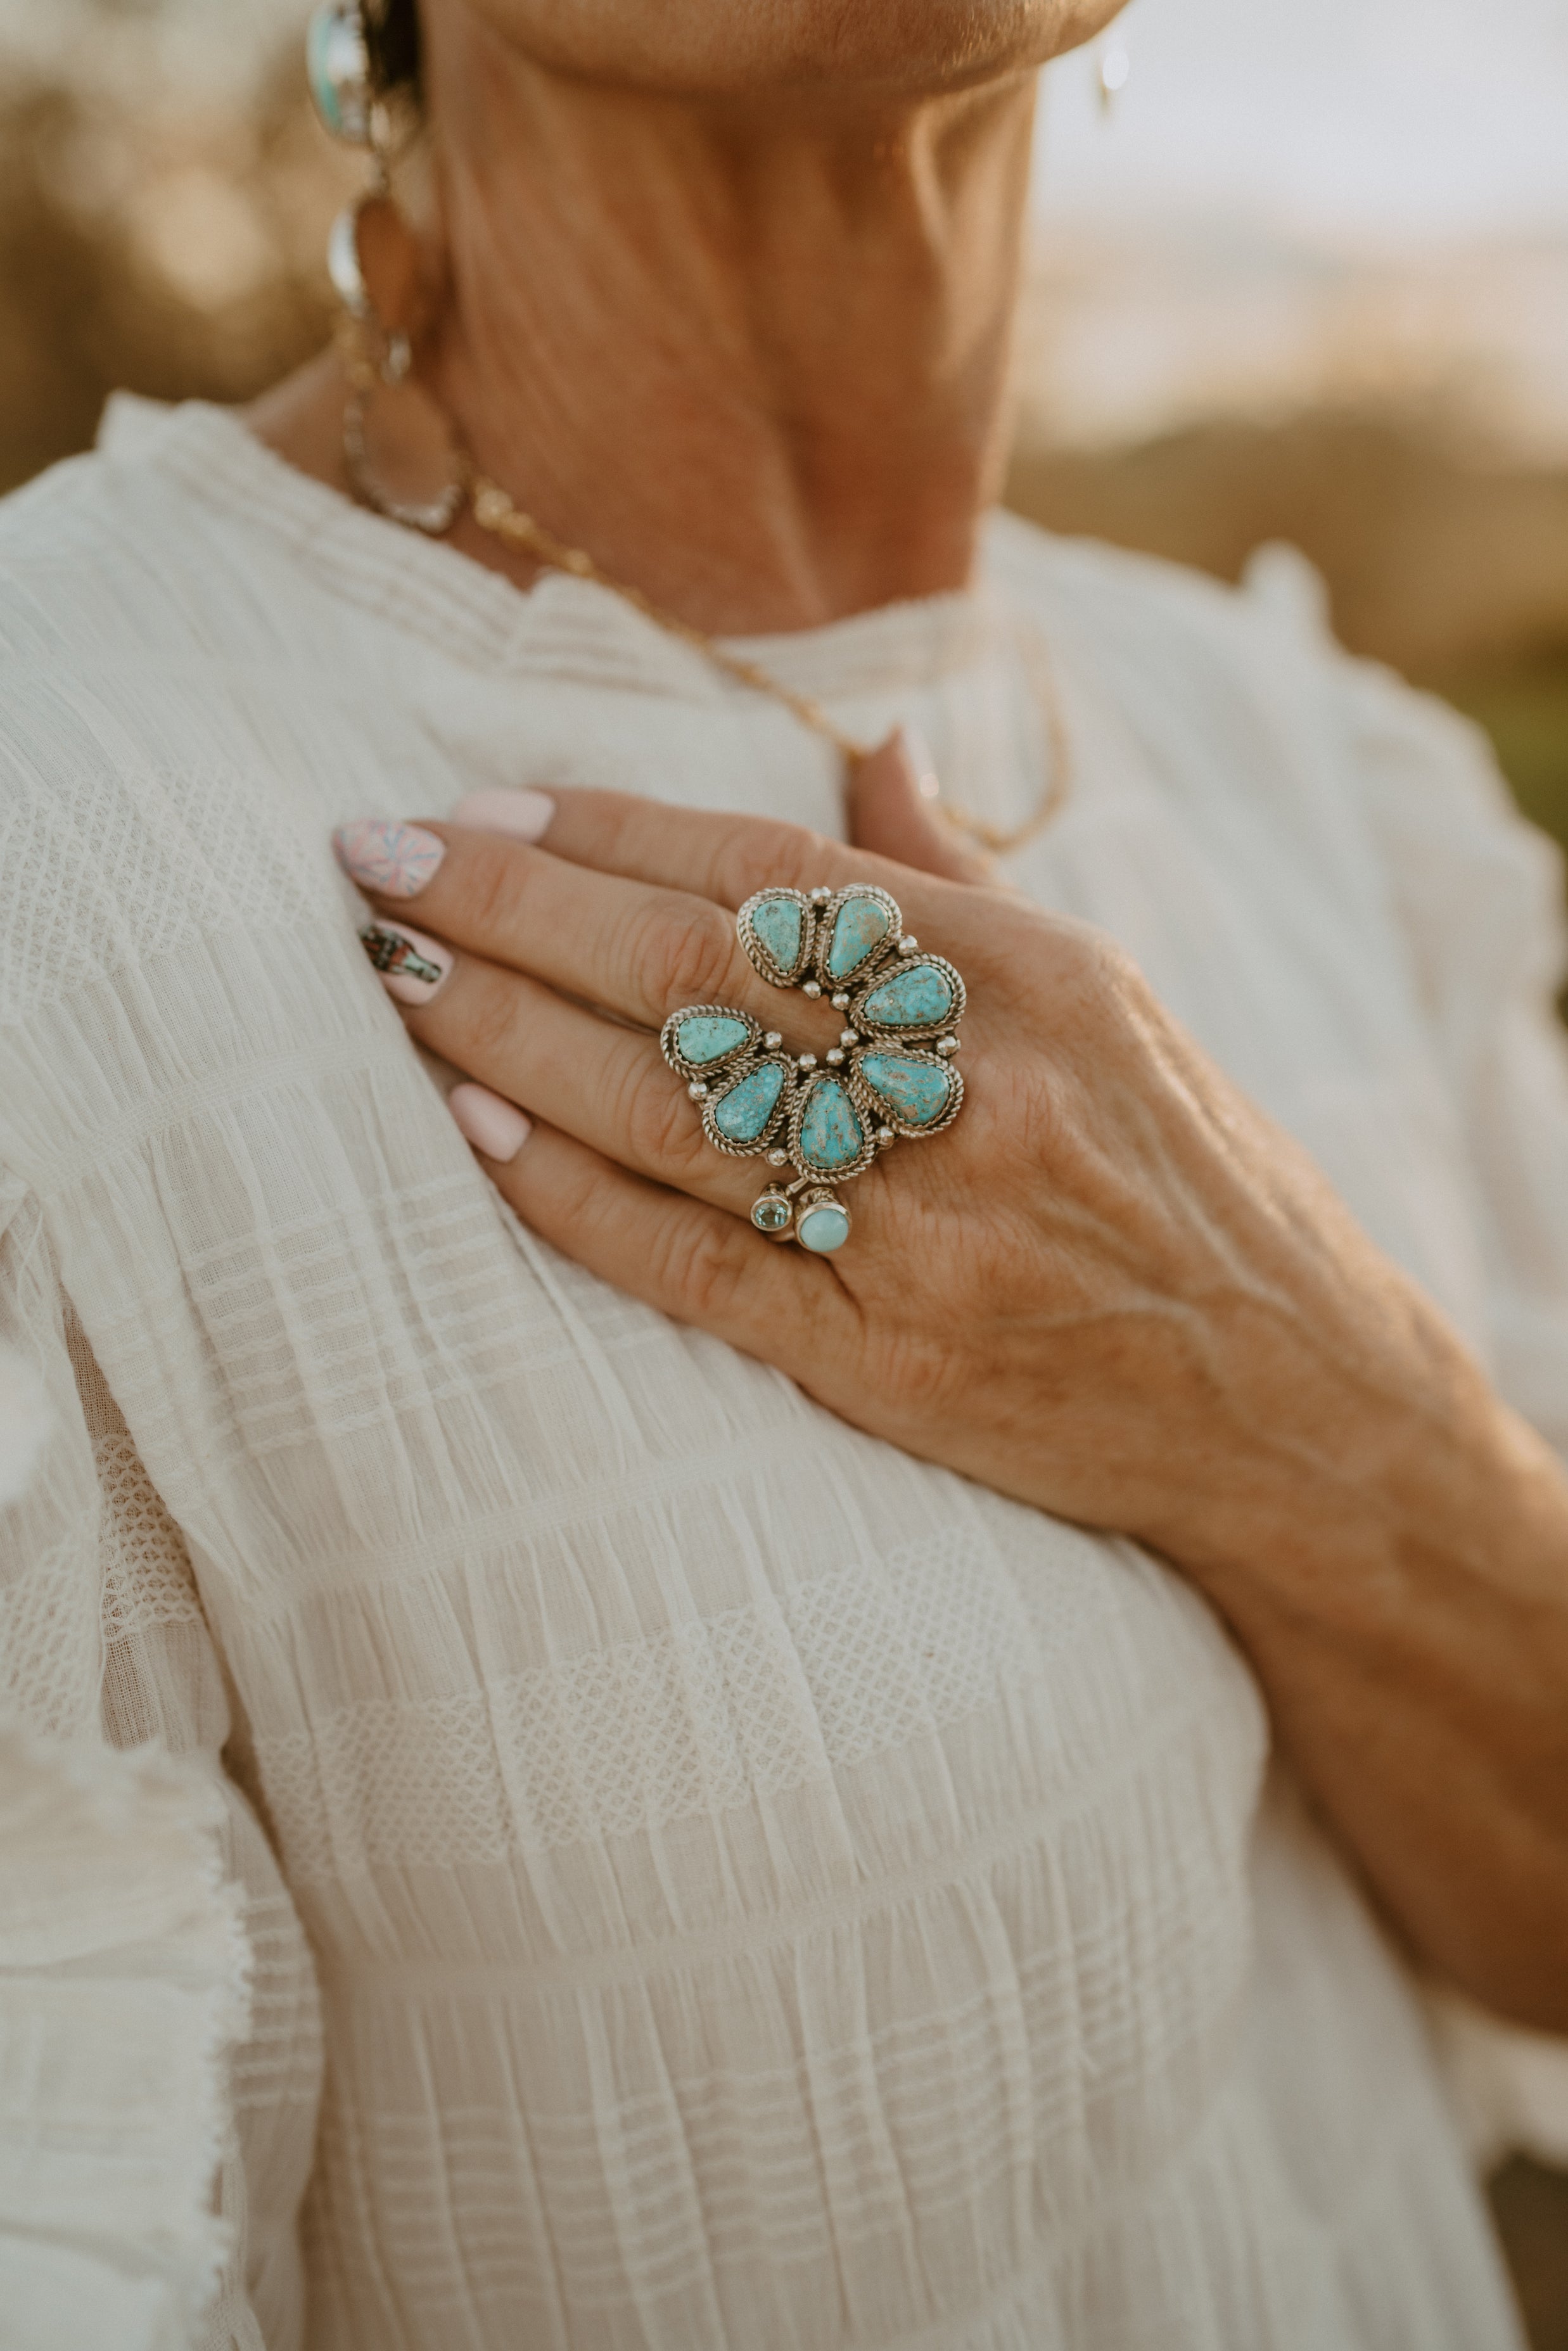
{"type": "Point", "coordinates": [929, 1044]}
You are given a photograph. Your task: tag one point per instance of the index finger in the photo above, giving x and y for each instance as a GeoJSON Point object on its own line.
{"type": "Point", "coordinates": [721, 856]}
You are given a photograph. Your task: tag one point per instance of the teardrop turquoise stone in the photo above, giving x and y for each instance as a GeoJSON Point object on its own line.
{"type": "Point", "coordinates": [742, 1113]}
{"type": "Point", "coordinates": [917, 1091]}
{"type": "Point", "coordinates": [323, 83]}
{"type": "Point", "coordinates": [860, 924]}
{"type": "Point", "coordinates": [779, 922]}
{"type": "Point", "coordinates": [709, 1036]}
{"type": "Point", "coordinates": [831, 1134]}
{"type": "Point", "coordinates": [915, 997]}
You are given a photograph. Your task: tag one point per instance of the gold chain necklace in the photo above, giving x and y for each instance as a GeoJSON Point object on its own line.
{"type": "Point", "coordinates": [494, 510]}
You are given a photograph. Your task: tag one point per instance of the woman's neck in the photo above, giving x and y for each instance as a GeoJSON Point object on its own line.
{"type": "Point", "coordinates": [751, 355]}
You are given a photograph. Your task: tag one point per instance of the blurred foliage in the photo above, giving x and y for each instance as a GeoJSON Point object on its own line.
{"type": "Point", "coordinates": [1525, 711]}
{"type": "Point", "coordinates": [150, 254]}
{"type": "Point", "coordinates": [1439, 555]}
{"type": "Point", "coordinates": [1530, 2203]}
{"type": "Point", "coordinates": [1438, 558]}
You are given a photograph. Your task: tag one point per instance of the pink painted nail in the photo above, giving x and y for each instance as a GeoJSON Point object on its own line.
{"type": "Point", "coordinates": [492, 1125]}
{"type": "Point", "coordinates": [524, 814]}
{"type": "Point", "coordinates": [395, 860]}
{"type": "Point", "coordinates": [411, 966]}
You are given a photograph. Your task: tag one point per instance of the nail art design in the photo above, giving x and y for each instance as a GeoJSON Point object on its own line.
{"type": "Point", "coordinates": [411, 966]}
{"type": "Point", "coordinates": [397, 860]}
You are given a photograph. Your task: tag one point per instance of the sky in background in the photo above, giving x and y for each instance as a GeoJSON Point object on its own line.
{"type": "Point", "coordinates": [1376, 119]}
{"type": "Point", "coordinates": [1308, 200]}
{"type": "Point", "coordinates": [1382, 119]}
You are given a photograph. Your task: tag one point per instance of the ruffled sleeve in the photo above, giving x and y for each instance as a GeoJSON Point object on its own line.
{"type": "Point", "coordinates": [160, 2043]}
{"type": "Point", "coordinates": [125, 1976]}
{"type": "Point", "coordinates": [1478, 896]}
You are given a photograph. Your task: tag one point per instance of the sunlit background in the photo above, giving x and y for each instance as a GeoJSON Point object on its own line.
{"type": "Point", "coordinates": [1306, 277]}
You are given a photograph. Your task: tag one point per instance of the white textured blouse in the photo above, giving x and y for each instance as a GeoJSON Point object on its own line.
{"type": "Point", "coordinates": [714, 1883]}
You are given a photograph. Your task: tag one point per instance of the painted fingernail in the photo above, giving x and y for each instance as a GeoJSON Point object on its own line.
{"type": "Point", "coordinates": [411, 966]}
{"type": "Point", "coordinates": [492, 1125]}
{"type": "Point", "coordinates": [395, 860]}
{"type": "Point", "coordinates": [525, 814]}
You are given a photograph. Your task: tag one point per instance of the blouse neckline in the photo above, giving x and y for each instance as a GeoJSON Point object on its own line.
{"type": "Point", "coordinates": [561, 626]}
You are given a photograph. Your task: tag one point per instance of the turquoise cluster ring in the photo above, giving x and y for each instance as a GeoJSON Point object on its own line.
{"type": "Point", "coordinates": [891, 1074]}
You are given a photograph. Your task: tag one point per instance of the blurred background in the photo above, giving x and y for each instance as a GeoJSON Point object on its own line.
{"type": "Point", "coordinates": [1298, 272]}
{"type": "Point", "coordinates": [1307, 277]}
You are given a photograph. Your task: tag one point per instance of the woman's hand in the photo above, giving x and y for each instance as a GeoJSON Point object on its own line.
{"type": "Point", "coordinates": [1111, 1289]}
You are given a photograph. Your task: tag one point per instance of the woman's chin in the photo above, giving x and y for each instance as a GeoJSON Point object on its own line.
{"type": "Point", "coordinates": [901, 47]}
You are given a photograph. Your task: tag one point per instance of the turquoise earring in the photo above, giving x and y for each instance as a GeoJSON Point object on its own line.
{"type": "Point", "coordinates": [377, 360]}
{"type": "Point", "coordinates": [342, 89]}
{"type": "Point", "coordinates": [338, 63]}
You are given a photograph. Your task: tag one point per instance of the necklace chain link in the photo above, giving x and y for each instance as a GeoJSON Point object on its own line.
{"type": "Point", "coordinates": [495, 511]}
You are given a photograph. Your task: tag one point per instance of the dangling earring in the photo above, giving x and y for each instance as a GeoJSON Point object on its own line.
{"type": "Point", "coordinates": [338, 63]}
{"type": "Point", "coordinates": [1111, 69]}
{"type": "Point", "coordinates": [375, 356]}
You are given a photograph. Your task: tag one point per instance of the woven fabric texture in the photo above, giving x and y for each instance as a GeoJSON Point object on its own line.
{"type": "Point", "coordinates": [715, 1884]}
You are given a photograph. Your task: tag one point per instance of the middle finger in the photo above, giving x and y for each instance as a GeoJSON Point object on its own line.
{"type": "Point", "coordinates": [634, 949]}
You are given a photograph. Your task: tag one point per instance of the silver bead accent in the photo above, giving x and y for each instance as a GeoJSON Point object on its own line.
{"type": "Point", "coordinates": [779, 1159]}
{"type": "Point", "coordinates": [848, 1035]}
{"type": "Point", "coordinates": [946, 1044]}
{"type": "Point", "coordinates": [908, 945]}
{"type": "Point", "coordinates": [810, 988]}
{"type": "Point", "coordinates": [773, 1040]}
{"type": "Point", "coordinates": [807, 1062]}
{"type": "Point", "coordinates": [820, 895]}
{"type": "Point", "coordinates": [885, 1135]}
{"type": "Point", "coordinates": [833, 1057]}
{"type": "Point", "coordinates": [697, 1090]}
{"type": "Point", "coordinates": [841, 1002]}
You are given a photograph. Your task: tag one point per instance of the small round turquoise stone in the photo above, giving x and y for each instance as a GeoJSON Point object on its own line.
{"type": "Point", "coordinates": [915, 997]}
{"type": "Point", "coordinates": [860, 925]}
{"type": "Point", "coordinates": [742, 1113]}
{"type": "Point", "coordinates": [779, 924]}
{"type": "Point", "coordinates": [917, 1091]}
{"type": "Point", "coordinates": [823, 1229]}
{"type": "Point", "coordinates": [709, 1036]}
{"type": "Point", "coordinates": [830, 1135]}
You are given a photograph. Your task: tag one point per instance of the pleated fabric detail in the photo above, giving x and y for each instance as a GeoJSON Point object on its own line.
{"type": "Point", "coordinates": [714, 1882]}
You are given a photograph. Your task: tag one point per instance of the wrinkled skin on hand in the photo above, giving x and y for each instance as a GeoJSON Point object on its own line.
{"type": "Point", "coordinates": [1111, 1289]}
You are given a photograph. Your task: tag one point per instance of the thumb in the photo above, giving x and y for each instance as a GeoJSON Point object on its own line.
{"type": "Point", "coordinates": [893, 811]}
